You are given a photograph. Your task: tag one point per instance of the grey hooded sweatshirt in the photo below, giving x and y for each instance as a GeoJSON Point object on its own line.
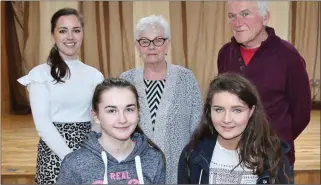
{"type": "Point", "coordinates": [91, 164]}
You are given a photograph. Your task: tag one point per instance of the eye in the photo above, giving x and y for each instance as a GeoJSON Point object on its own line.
{"type": "Point", "coordinates": [111, 111]}
{"type": "Point", "coordinates": [237, 110]}
{"type": "Point", "coordinates": [62, 31]}
{"type": "Point", "coordinates": [218, 110]}
{"type": "Point", "coordinates": [231, 16]}
{"type": "Point", "coordinates": [130, 109]}
{"type": "Point", "coordinates": [159, 40]}
{"type": "Point", "coordinates": [245, 14]}
{"type": "Point", "coordinates": [143, 41]}
{"type": "Point", "coordinates": [77, 31]}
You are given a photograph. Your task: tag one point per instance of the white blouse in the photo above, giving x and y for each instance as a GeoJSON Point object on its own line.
{"type": "Point", "coordinates": [60, 102]}
{"type": "Point", "coordinates": [222, 163]}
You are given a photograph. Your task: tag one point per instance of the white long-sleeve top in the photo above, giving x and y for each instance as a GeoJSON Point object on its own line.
{"type": "Point", "coordinates": [60, 102]}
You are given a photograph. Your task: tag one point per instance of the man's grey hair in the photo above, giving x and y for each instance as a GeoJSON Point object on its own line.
{"type": "Point", "coordinates": [150, 22]}
{"type": "Point", "coordinates": [263, 7]}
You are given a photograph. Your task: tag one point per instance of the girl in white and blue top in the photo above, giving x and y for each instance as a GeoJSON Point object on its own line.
{"type": "Point", "coordinates": [60, 93]}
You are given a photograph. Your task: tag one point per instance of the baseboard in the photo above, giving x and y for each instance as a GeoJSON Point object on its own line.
{"type": "Point", "coordinates": [316, 105]}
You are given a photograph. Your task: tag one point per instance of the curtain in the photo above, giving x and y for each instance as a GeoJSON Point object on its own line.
{"type": "Point", "coordinates": [108, 43]}
{"type": "Point", "coordinates": [5, 92]}
{"type": "Point", "coordinates": [199, 30]}
{"type": "Point", "coordinates": [306, 32]}
{"type": "Point", "coordinates": [20, 49]}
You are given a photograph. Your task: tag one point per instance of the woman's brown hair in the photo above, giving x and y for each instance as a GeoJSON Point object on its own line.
{"type": "Point", "coordinates": [259, 146]}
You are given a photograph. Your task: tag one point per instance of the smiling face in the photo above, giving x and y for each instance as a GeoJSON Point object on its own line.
{"type": "Point", "coordinates": [230, 116]}
{"type": "Point", "coordinates": [246, 22]}
{"type": "Point", "coordinates": [117, 113]}
{"type": "Point", "coordinates": [68, 35]}
{"type": "Point", "coordinates": [156, 51]}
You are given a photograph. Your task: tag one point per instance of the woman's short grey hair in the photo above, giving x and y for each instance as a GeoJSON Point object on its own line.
{"type": "Point", "coordinates": [149, 22]}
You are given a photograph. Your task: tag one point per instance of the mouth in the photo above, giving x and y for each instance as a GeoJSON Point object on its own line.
{"type": "Point", "coordinates": [71, 44]}
{"type": "Point", "coordinates": [239, 31]}
{"type": "Point", "coordinates": [227, 128]}
{"type": "Point", "coordinates": [122, 128]}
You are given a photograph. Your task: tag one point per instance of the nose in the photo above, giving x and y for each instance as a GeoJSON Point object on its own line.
{"type": "Point", "coordinates": [151, 46]}
{"type": "Point", "coordinates": [70, 35]}
{"type": "Point", "coordinates": [227, 117]}
{"type": "Point", "coordinates": [122, 117]}
{"type": "Point", "coordinates": [238, 21]}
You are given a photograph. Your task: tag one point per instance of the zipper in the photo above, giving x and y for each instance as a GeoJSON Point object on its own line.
{"type": "Point", "coordinates": [203, 169]}
{"type": "Point", "coordinates": [266, 176]}
{"type": "Point", "coordinates": [205, 160]}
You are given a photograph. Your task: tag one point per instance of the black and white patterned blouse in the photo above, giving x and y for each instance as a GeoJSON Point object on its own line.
{"type": "Point", "coordinates": [154, 90]}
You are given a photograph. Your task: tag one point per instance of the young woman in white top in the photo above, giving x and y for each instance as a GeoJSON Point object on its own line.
{"type": "Point", "coordinates": [60, 93]}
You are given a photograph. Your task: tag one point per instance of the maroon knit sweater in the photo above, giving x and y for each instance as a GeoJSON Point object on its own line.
{"type": "Point", "coordinates": [279, 73]}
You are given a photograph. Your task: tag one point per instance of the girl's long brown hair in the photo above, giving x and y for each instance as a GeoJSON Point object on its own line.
{"type": "Point", "coordinates": [259, 146]}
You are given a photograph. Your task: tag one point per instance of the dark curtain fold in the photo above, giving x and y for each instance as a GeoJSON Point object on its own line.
{"type": "Point", "coordinates": [18, 97]}
{"type": "Point", "coordinates": [5, 94]}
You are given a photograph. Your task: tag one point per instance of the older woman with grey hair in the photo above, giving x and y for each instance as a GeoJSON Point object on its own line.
{"type": "Point", "coordinates": [170, 98]}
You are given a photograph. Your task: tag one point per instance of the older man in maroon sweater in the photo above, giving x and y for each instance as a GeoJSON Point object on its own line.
{"type": "Point", "coordinates": [272, 64]}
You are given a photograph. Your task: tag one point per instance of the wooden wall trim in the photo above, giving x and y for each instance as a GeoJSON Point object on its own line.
{"type": "Point", "coordinates": [316, 105]}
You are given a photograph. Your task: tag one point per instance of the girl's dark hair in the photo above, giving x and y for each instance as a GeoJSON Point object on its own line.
{"type": "Point", "coordinates": [110, 83]}
{"type": "Point", "coordinates": [259, 146]}
{"type": "Point", "coordinates": [59, 68]}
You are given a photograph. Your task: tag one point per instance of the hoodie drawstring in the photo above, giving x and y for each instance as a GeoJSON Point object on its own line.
{"type": "Point", "coordinates": [139, 170]}
{"type": "Point", "coordinates": [200, 179]}
{"type": "Point", "coordinates": [138, 166]}
{"type": "Point", "coordinates": [104, 157]}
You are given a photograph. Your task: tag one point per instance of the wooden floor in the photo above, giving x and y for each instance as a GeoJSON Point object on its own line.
{"type": "Point", "coordinates": [19, 146]}
{"type": "Point", "coordinates": [307, 146]}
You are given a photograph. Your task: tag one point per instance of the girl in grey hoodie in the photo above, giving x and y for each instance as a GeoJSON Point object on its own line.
{"type": "Point", "coordinates": [121, 153]}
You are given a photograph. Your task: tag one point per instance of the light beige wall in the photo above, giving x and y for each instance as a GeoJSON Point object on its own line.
{"type": "Point", "coordinates": [280, 18]}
